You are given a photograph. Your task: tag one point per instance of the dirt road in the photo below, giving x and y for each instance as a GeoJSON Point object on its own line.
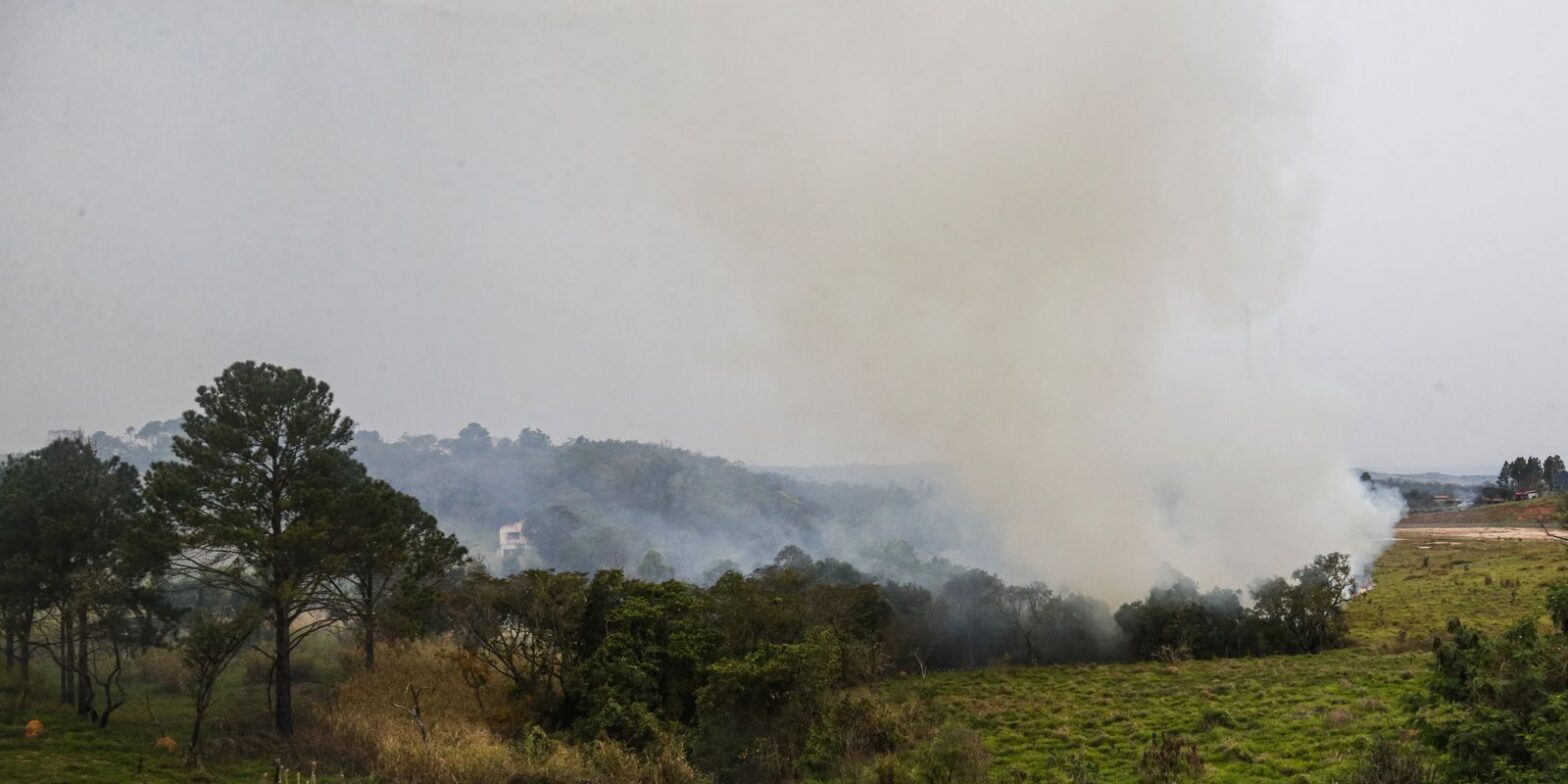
{"type": "Point", "coordinates": [1523, 533]}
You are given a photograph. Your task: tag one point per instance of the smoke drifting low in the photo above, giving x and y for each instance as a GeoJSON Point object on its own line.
{"type": "Point", "coordinates": [1029, 241]}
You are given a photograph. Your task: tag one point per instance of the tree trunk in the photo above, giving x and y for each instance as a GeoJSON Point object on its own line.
{"type": "Point", "coordinates": [282, 683]}
{"type": "Point", "coordinates": [10, 648]}
{"type": "Point", "coordinates": [84, 684]}
{"type": "Point", "coordinates": [193, 751]}
{"type": "Point", "coordinates": [370, 641]}
{"type": "Point", "coordinates": [109, 705]}
{"type": "Point", "coordinates": [366, 584]}
{"type": "Point", "coordinates": [66, 657]}
{"type": "Point", "coordinates": [24, 659]}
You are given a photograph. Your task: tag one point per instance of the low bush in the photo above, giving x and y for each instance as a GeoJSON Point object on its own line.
{"type": "Point", "coordinates": [886, 769]}
{"type": "Point", "coordinates": [1392, 763]}
{"type": "Point", "coordinates": [1557, 604]}
{"type": "Point", "coordinates": [955, 755]}
{"type": "Point", "coordinates": [1170, 758]}
{"type": "Point", "coordinates": [856, 729]}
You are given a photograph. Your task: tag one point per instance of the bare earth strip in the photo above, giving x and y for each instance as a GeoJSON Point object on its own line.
{"type": "Point", "coordinates": [1519, 520]}
{"type": "Point", "coordinates": [1522, 533]}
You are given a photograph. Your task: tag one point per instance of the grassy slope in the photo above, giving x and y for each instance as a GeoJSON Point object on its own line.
{"type": "Point", "coordinates": [1287, 718]}
{"type": "Point", "coordinates": [1513, 513]}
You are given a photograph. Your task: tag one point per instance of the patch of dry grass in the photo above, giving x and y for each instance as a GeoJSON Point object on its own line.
{"type": "Point", "coordinates": [368, 723]}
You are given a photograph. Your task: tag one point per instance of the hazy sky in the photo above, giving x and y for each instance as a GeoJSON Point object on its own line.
{"type": "Point", "coordinates": [454, 212]}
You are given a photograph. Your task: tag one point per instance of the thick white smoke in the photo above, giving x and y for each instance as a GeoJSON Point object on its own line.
{"type": "Point", "coordinates": [1024, 238]}
{"type": "Point", "coordinates": [1028, 239]}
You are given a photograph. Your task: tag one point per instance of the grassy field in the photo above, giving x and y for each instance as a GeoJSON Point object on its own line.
{"type": "Point", "coordinates": [1275, 719]}
{"type": "Point", "coordinates": [72, 751]}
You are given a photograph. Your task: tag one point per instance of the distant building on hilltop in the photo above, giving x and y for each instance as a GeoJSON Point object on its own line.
{"type": "Point", "coordinates": [513, 540]}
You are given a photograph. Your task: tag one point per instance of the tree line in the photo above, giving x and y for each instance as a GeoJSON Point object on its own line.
{"type": "Point", "coordinates": [596, 504]}
{"type": "Point", "coordinates": [1305, 615]}
{"type": "Point", "coordinates": [1531, 473]}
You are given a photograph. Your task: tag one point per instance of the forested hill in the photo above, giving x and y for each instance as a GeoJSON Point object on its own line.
{"type": "Point", "coordinates": [595, 504]}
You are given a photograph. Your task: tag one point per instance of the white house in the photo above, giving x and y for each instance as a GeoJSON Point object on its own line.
{"type": "Point", "coordinates": [513, 540]}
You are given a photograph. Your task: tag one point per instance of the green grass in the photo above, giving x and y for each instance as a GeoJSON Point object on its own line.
{"type": "Point", "coordinates": [1486, 583]}
{"type": "Point", "coordinates": [240, 746]}
{"type": "Point", "coordinates": [1269, 719]}
{"type": "Point", "coordinates": [1273, 719]}
{"type": "Point", "coordinates": [73, 750]}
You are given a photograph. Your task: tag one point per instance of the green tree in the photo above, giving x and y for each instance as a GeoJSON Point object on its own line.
{"type": "Point", "coordinates": [260, 462]}
{"type": "Point", "coordinates": [1029, 610]}
{"type": "Point", "coordinates": [1308, 616]}
{"type": "Point", "coordinates": [207, 647]}
{"type": "Point", "coordinates": [645, 650]}
{"type": "Point", "coordinates": [79, 545]}
{"type": "Point", "coordinates": [389, 551]}
{"type": "Point", "coordinates": [1551, 468]}
{"type": "Point", "coordinates": [528, 628]}
{"type": "Point", "coordinates": [24, 587]}
{"type": "Point", "coordinates": [1533, 474]}
{"type": "Point", "coordinates": [755, 712]}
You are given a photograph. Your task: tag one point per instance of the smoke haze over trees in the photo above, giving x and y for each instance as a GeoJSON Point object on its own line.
{"type": "Point", "coordinates": [590, 505]}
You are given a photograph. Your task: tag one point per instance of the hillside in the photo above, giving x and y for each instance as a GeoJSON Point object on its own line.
{"type": "Point", "coordinates": [1530, 513]}
{"type": "Point", "coordinates": [590, 504]}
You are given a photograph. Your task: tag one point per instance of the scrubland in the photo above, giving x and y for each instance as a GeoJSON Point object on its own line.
{"type": "Point", "coordinates": [1283, 718]}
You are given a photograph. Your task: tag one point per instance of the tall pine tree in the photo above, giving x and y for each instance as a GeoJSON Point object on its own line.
{"type": "Point", "coordinates": [260, 462]}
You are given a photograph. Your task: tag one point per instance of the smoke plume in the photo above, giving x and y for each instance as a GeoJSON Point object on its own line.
{"type": "Point", "coordinates": [1030, 240]}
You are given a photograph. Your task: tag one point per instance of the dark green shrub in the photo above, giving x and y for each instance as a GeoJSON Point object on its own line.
{"type": "Point", "coordinates": [755, 713]}
{"type": "Point", "coordinates": [1498, 707]}
{"type": "Point", "coordinates": [1557, 605]}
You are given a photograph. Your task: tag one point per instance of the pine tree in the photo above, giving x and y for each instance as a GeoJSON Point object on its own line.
{"type": "Point", "coordinates": [260, 462]}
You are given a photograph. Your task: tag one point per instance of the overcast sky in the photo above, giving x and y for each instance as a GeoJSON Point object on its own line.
{"type": "Point", "coordinates": [453, 212]}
